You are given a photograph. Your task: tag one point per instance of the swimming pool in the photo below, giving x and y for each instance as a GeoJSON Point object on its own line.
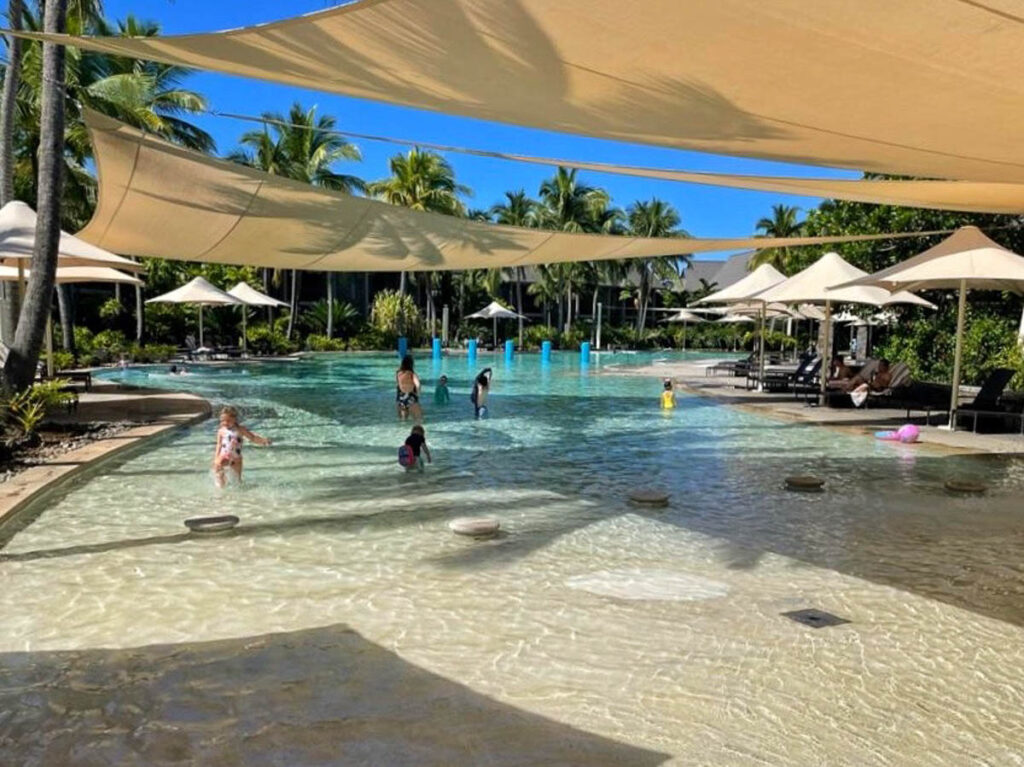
{"type": "Point", "coordinates": [659, 628]}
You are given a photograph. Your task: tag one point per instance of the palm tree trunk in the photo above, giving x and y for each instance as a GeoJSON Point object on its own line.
{"type": "Point", "coordinates": [20, 368]}
{"type": "Point", "coordinates": [67, 319]}
{"type": "Point", "coordinates": [294, 304]}
{"type": "Point", "coordinates": [330, 304]}
{"type": "Point", "coordinates": [593, 313]}
{"type": "Point", "coordinates": [140, 314]}
{"type": "Point", "coordinates": [401, 283]}
{"type": "Point", "coordinates": [8, 106]}
{"type": "Point", "coordinates": [560, 314]}
{"type": "Point", "coordinates": [568, 308]}
{"type": "Point", "coordinates": [266, 289]}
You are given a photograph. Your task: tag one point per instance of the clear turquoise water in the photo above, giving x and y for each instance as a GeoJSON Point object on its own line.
{"type": "Point", "coordinates": [586, 605]}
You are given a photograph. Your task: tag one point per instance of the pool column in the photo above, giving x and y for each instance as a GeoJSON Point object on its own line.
{"type": "Point", "coordinates": [585, 353]}
{"type": "Point", "coordinates": [436, 348]}
{"type": "Point", "coordinates": [545, 352]}
{"type": "Point", "coordinates": [509, 350]}
{"type": "Point", "coordinates": [403, 346]}
{"type": "Point", "coordinates": [471, 350]}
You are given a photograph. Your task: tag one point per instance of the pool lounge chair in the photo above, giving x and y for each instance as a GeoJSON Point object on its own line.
{"type": "Point", "coordinates": [986, 403]}
{"type": "Point", "coordinates": [779, 377]}
{"type": "Point", "coordinates": [731, 367]}
{"type": "Point", "coordinates": [900, 381]}
{"type": "Point", "coordinates": [809, 381]}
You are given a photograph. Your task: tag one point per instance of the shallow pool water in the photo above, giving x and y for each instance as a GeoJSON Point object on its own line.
{"type": "Point", "coordinates": [658, 627]}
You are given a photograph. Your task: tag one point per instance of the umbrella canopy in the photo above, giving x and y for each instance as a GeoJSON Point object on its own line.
{"type": "Point", "coordinates": [731, 318]}
{"type": "Point", "coordinates": [817, 284]}
{"type": "Point", "coordinates": [248, 295]}
{"type": "Point", "coordinates": [685, 315]}
{"type": "Point", "coordinates": [71, 274]}
{"type": "Point", "coordinates": [763, 277]}
{"type": "Point", "coordinates": [494, 311]}
{"type": "Point", "coordinates": [18, 237]}
{"type": "Point", "coordinates": [199, 292]}
{"type": "Point", "coordinates": [966, 259]}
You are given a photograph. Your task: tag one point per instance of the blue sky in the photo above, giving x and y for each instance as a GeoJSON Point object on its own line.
{"type": "Point", "coordinates": [705, 211]}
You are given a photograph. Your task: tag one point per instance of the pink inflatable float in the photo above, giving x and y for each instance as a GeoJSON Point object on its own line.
{"type": "Point", "coordinates": [906, 433]}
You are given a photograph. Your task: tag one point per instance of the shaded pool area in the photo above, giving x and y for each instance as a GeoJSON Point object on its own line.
{"type": "Point", "coordinates": [654, 631]}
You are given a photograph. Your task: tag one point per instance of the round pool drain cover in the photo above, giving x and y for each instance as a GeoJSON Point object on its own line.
{"type": "Point", "coordinates": [649, 497]}
{"type": "Point", "coordinates": [965, 487]}
{"type": "Point", "coordinates": [804, 482]}
{"type": "Point", "coordinates": [211, 524]}
{"type": "Point", "coordinates": [476, 527]}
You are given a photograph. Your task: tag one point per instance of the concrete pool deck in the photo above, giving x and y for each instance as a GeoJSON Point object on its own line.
{"type": "Point", "coordinates": [730, 390]}
{"type": "Point", "coordinates": [155, 411]}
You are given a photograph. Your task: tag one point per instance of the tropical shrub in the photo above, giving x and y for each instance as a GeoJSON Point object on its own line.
{"type": "Point", "coordinates": [535, 335]}
{"type": "Point", "coordinates": [152, 352]}
{"type": "Point", "coordinates": [320, 343]}
{"type": "Point", "coordinates": [111, 311]}
{"type": "Point", "coordinates": [27, 408]}
{"type": "Point", "coordinates": [370, 339]}
{"type": "Point", "coordinates": [396, 314]}
{"type": "Point", "coordinates": [264, 340]}
{"type": "Point", "coordinates": [62, 360]}
{"type": "Point", "coordinates": [345, 319]}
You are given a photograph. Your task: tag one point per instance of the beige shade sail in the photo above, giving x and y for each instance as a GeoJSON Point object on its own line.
{"type": "Point", "coordinates": [249, 296]}
{"type": "Point", "coordinates": [734, 319]}
{"type": "Point", "coordinates": [763, 277]}
{"type": "Point", "coordinates": [966, 259]}
{"type": "Point", "coordinates": [18, 238]}
{"type": "Point", "coordinates": [158, 199]}
{"type": "Point", "coordinates": [75, 274]}
{"type": "Point", "coordinates": [918, 87]}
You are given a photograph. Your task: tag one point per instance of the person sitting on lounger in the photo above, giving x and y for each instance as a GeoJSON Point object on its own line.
{"type": "Point", "coordinates": [879, 382]}
{"type": "Point", "coordinates": [839, 373]}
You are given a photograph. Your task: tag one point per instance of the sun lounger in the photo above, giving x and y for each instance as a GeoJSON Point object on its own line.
{"type": "Point", "coordinates": [730, 367]}
{"type": "Point", "coordinates": [987, 405]}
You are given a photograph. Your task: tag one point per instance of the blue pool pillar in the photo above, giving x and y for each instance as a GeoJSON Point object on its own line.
{"type": "Point", "coordinates": [585, 353]}
{"type": "Point", "coordinates": [545, 352]}
{"type": "Point", "coordinates": [510, 347]}
{"type": "Point", "coordinates": [403, 346]}
{"type": "Point", "coordinates": [436, 348]}
{"type": "Point", "coordinates": [471, 350]}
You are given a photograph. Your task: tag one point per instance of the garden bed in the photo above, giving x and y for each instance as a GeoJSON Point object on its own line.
{"type": "Point", "coordinates": [51, 440]}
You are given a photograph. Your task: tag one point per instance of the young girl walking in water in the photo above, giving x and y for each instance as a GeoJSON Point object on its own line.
{"type": "Point", "coordinates": [227, 453]}
{"type": "Point", "coordinates": [481, 386]}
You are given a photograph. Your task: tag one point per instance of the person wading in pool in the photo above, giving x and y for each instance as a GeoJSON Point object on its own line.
{"type": "Point", "coordinates": [407, 393]}
{"type": "Point", "coordinates": [227, 452]}
{"type": "Point", "coordinates": [481, 386]}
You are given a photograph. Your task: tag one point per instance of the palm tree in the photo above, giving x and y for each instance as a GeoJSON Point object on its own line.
{"type": "Point", "coordinates": [653, 218]}
{"type": "Point", "coordinates": [421, 180]}
{"type": "Point", "coordinates": [303, 147]}
{"type": "Point", "coordinates": [20, 366]}
{"type": "Point", "coordinates": [782, 223]}
{"type": "Point", "coordinates": [8, 105]}
{"type": "Point", "coordinates": [517, 210]}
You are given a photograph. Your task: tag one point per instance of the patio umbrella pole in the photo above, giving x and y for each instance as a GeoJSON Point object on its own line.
{"type": "Point", "coordinates": [826, 357]}
{"type": "Point", "coordinates": [245, 345]}
{"type": "Point", "coordinates": [495, 332]}
{"type": "Point", "coordinates": [954, 396]}
{"type": "Point", "coordinates": [760, 385]}
{"type": "Point", "coordinates": [201, 344]}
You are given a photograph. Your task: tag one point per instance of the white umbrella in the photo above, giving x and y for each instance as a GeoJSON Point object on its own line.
{"type": "Point", "coordinates": [734, 318]}
{"type": "Point", "coordinates": [494, 311]}
{"type": "Point", "coordinates": [66, 275]}
{"type": "Point", "coordinates": [966, 259]}
{"type": "Point", "coordinates": [199, 292]}
{"type": "Point", "coordinates": [817, 284]}
{"type": "Point", "coordinates": [249, 296]}
{"type": "Point", "coordinates": [18, 237]}
{"type": "Point", "coordinates": [761, 279]}
{"type": "Point", "coordinates": [684, 316]}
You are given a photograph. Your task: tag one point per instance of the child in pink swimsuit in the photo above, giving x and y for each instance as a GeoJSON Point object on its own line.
{"type": "Point", "coordinates": [227, 453]}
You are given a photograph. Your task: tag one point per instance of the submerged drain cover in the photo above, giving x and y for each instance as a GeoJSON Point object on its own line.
{"type": "Point", "coordinates": [816, 619]}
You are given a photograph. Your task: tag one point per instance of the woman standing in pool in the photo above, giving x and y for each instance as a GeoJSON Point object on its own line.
{"type": "Point", "coordinates": [481, 386]}
{"type": "Point", "coordinates": [407, 390]}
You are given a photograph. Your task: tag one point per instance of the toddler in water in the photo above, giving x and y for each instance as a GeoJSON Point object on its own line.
{"type": "Point", "coordinates": [227, 454]}
{"type": "Point", "coordinates": [668, 396]}
{"type": "Point", "coordinates": [417, 442]}
{"type": "Point", "coordinates": [441, 396]}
